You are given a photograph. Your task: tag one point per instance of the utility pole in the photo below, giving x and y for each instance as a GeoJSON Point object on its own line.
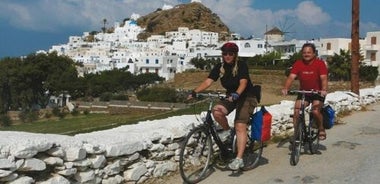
{"type": "Point", "coordinates": [355, 55]}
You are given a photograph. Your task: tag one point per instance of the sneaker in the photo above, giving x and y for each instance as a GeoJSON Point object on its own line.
{"type": "Point", "coordinates": [236, 164]}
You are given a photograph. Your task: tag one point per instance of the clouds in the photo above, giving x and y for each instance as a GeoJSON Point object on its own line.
{"type": "Point", "coordinates": [51, 16]}
{"type": "Point", "coordinates": [310, 14]}
{"type": "Point", "coordinates": [241, 16]}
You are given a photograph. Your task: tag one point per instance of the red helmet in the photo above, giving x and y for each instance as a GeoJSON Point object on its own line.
{"type": "Point", "coordinates": [230, 47]}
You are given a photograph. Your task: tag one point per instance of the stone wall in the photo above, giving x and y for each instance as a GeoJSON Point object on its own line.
{"type": "Point", "coordinates": [127, 154]}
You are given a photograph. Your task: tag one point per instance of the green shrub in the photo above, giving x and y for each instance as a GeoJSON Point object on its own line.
{"type": "Point", "coordinates": [86, 112]}
{"type": "Point", "coordinates": [157, 94]}
{"type": "Point", "coordinates": [368, 73]}
{"type": "Point", "coordinates": [48, 115]}
{"type": "Point", "coordinates": [62, 115]}
{"type": "Point", "coordinates": [5, 120]}
{"type": "Point", "coordinates": [75, 112]}
{"type": "Point", "coordinates": [28, 116]}
{"type": "Point", "coordinates": [120, 97]}
{"type": "Point", "coordinates": [105, 97]}
{"type": "Point", "coordinates": [56, 111]}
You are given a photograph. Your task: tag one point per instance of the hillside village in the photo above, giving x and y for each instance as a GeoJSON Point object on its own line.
{"type": "Point", "coordinates": [171, 53]}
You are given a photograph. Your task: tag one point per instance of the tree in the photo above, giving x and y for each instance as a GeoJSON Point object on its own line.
{"type": "Point", "coordinates": [25, 82]}
{"type": "Point", "coordinates": [204, 64]}
{"type": "Point", "coordinates": [339, 66]}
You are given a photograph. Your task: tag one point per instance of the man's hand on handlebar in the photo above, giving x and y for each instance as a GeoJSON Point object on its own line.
{"type": "Point", "coordinates": [284, 91]}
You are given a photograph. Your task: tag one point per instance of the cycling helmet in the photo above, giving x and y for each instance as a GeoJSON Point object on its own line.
{"type": "Point", "coordinates": [230, 47]}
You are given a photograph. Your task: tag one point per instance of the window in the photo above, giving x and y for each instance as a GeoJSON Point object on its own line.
{"type": "Point", "coordinates": [156, 61]}
{"type": "Point", "coordinates": [259, 46]}
{"type": "Point", "coordinates": [247, 45]}
{"type": "Point", "coordinates": [147, 70]}
{"type": "Point", "coordinates": [373, 40]}
{"type": "Point", "coordinates": [373, 56]}
{"type": "Point", "coordinates": [328, 46]}
{"type": "Point", "coordinates": [147, 61]}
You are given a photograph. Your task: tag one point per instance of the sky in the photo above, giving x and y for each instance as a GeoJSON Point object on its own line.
{"type": "Point", "coordinates": [27, 26]}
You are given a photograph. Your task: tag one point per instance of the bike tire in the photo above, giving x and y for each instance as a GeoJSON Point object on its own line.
{"type": "Point", "coordinates": [298, 139]}
{"type": "Point", "coordinates": [195, 155]}
{"type": "Point", "coordinates": [313, 133]}
{"type": "Point", "coordinates": [252, 153]}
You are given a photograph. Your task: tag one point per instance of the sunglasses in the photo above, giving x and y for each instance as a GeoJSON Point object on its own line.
{"type": "Point", "coordinates": [228, 53]}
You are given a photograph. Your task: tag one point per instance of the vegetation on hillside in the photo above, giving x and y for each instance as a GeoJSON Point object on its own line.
{"type": "Point", "coordinates": [26, 84]}
{"type": "Point", "coordinates": [191, 15]}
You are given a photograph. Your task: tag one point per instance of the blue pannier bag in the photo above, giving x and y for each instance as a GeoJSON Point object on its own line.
{"type": "Point", "coordinates": [328, 116]}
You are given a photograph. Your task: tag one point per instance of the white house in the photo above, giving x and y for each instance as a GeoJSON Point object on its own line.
{"type": "Point", "coordinates": [171, 53]}
{"type": "Point", "coordinates": [371, 48]}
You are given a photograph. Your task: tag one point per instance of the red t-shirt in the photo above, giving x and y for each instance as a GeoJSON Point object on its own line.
{"type": "Point", "coordinates": [309, 74]}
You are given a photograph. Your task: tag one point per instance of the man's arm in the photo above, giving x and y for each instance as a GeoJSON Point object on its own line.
{"type": "Point", "coordinates": [288, 83]}
{"type": "Point", "coordinates": [324, 84]}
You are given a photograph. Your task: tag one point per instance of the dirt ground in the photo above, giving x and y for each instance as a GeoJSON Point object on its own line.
{"type": "Point", "coordinates": [271, 82]}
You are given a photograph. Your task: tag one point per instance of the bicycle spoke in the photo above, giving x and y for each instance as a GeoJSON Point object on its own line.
{"type": "Point", "coordinates": [252, 154]}
{"type": "Point", "coordinates": [195, 156]}
{"type": "Point", "coordinates": [297, 144]}
{"type": "Point", "coordinates": [313, 132]}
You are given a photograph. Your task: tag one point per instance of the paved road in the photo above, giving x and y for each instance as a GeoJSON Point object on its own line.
{"type": "Point", "coordinates": [350, 155]}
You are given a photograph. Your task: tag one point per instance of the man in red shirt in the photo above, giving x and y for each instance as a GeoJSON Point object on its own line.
{"type": "Point", "coordinates": [312, 75]}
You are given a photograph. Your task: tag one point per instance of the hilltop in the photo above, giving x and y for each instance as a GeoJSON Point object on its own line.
{"type": "Point", "coordinates": [192, 15]}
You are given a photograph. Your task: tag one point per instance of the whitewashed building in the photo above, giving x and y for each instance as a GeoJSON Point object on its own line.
{"type": "Point", "coordinates": [371, 48]}
{"type": "Point", "coordinates": [171, 53]}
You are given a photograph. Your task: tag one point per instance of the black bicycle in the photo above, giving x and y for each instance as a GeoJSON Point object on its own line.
{"type": "Point", "coordinates": [305, 132]}
{"type": "Point", "coordinates": [198, 153]}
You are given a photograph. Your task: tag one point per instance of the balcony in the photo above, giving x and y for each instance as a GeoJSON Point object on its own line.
{"type": "Point", "coordinates": [371, 47]}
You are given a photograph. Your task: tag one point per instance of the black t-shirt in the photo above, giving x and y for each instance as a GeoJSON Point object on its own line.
{"type": "Point", "coordinates": [228, 81]}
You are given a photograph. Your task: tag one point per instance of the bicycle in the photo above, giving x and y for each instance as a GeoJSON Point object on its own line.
{"type": "Point", "coordinates": [304, 133]}
{"type": "Point", "coordinates": [197, 151]}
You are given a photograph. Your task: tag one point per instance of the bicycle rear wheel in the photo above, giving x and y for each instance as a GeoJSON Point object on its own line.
{"type": "Point", "coordinates": [195, 155]}
{"type": "Point", "coordinates": [252, 152]}
{"type": "Point", "coordinates": [297, 143]}
{"type": "Point", "coordinates": [313, 133]}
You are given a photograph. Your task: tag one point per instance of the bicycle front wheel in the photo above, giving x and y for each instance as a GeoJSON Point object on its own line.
{"type": "Point", "coordinates": [195, 155]}
{"type": "Point", "coordinates": [297, 143]}
{"type": "Point", "coordinates": [252, 152]}
{"type": "Point", "coordinates": [313, 133]}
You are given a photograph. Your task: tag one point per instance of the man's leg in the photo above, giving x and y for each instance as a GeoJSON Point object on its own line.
{"type": "Point", "coordinates": [316, 110]}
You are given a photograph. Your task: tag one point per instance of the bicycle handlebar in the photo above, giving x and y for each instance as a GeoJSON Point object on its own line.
{"type": "Point", "coordinates": [211, 95]}
{"type": "Point", "coordinates": [316, 92]}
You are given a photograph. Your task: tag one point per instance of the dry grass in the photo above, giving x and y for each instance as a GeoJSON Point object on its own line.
{"type": "Point", "coordinates": [271, 82]}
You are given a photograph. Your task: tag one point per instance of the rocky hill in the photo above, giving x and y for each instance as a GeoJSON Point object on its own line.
{"type": "Point", "coordinates": [192, 15]}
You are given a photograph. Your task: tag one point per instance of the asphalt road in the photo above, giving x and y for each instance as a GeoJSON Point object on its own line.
{"type": "Point", "coordinates": [349, 155]}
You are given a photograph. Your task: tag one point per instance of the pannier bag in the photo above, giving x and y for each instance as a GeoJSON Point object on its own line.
{"type": "Point", "coordinates": [328, 116]}
{"type": "Point", "coordinates": [257, 92]}
{"type": "Point", "coordinates": [261, 124]}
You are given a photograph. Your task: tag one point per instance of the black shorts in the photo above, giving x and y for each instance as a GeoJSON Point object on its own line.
{"type": "Point", "coordinates": [311, 98]}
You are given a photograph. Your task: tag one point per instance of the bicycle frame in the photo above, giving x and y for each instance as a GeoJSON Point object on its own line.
{"type": "Point", "coordinates": [303, 133]}
{"type": "Point", "coordinates": [210, 126]}
{"type": "Point", "coordinates": [197, 155]}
